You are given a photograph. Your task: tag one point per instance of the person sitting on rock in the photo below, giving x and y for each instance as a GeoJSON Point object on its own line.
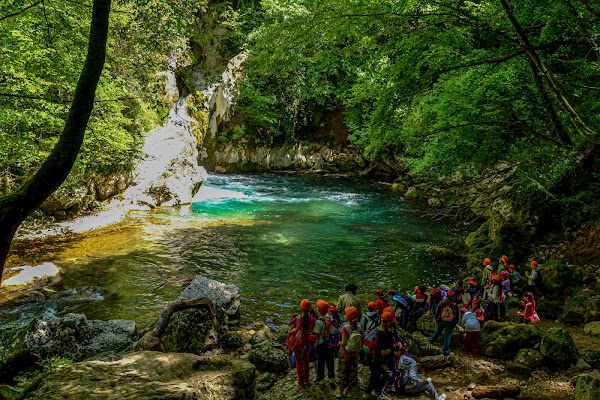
{"type": "Point", "coordinates": [322, 333]}
{"type": "Point", "coordinates": [349, 299]}
{"type": "Point", "coordinates": [409, 381]}
{"type": "Point", "coordinates": [529, 304]}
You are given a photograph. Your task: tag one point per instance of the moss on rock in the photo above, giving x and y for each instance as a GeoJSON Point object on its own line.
{"type": "Point", "coordinates": [558, 345]}
{"type": "Point", "coordinates": [529, 357]}
{"type": "Point", "coordinates": [504, 339]}
{"type": "Point", "coordinates": [517, 370]}
{"type": "Point", "coordinates": [556, 276]}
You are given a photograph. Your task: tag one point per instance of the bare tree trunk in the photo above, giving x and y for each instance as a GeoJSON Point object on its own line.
{"type": "Point", "coordinates": [151, 340]}
{"type": "Point", "coordinates": [548, 77]}
{"type": "Point", "coordinates": [15, 207]}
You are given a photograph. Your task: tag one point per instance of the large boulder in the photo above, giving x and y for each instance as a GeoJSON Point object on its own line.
{"type": "Point", "coordinates": [529, 357]}
{"type": "Point", "coordinates": [587, 386]}
{"type": "Point", "coordinates": [267, 357]}
{"type": "Point", "coordinates": [558, 345]}
{"type": "Point", "coordinates": [72, 335]}
{"type": "Point", "coordinates": [417, 344]}
{"type": "Point", "coordinates": [505, 339]}
{"type": "Point", "coordinates": [426, 325]}
{"type": "Point", "coordinates": [193, 331]}
{"type": "Point", "coordinates": [152, 375]}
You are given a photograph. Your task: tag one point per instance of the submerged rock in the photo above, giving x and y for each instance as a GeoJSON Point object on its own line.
{"type": "Point", "coordinates": [152, 375]}
{"type": "Point", "coordinates": [505, 339]}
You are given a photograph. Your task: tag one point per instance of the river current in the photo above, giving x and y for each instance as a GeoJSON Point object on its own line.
{"type": "Point", "coordinates": [280, 237]}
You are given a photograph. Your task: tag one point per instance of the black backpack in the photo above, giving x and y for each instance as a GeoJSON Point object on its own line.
{"type": "Point", "coordinates": [372, 324]}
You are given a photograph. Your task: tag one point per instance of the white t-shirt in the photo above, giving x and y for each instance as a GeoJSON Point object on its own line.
{"type": "Point", "coordinates": [532, 275]}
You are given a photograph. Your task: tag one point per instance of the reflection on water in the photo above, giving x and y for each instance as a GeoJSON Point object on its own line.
{"type": "Point", "coordinates": [279, 237]}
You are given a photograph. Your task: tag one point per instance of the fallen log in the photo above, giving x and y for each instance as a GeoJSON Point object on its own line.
{"type": "Point", "coordinates": [496, 392]}
{"type": "Point", "coordinates": [151, 340]}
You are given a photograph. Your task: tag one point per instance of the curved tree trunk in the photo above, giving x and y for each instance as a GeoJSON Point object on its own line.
{"type": "Point", "coordinates": [151, 340]}
{"type": "Point", "coordinates": [15, 207]}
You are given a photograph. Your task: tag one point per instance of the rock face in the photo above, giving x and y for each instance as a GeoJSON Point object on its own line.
{"type": "Point", "coordinates": [70, 336]}
{"type": "Point", "coordinates": [267, 357]}
{"type": "Point", "coordinates": [587, 386]}
{"type": "Point", "coordinates": [192, 331]}
{"type": "Point", "coordinates": [558, 345]}
{"type": "Point", "coordinates": [152, 375]}
{"type": "Point", "coordinates": [505, 339]}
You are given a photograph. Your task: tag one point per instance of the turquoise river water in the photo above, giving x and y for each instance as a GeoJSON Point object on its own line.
{"type": "Point", "coordinates": [280, 237]}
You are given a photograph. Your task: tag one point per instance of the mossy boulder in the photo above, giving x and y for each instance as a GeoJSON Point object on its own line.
{"type": "Point", "coordinates": [529, 357]}
{"type": "Point", "coordinates": [587, 386]}
{"type": "Point", "coordinates": [426, 325]}
{"type": "Point", "coordinates": [591, 308]}
{"type": "Point", "coordinates": [592, 328]}
{"type": "Point", "coordinates": [558, 345]}
{"type": "Point", "coordinates": [517, 370]}
{"type": "Point", "coordinates": [556, 276]}
{"type": "Point", "coordinates": [268, 357]}
{"type": "Point", "coordinates": [504, 339]}
{"type": "Point", "coordinates": [574, 312]}
{"type": "Point", "coordinates": [232, 340]}
{"type": "Point", "coordinates": [191, 331]}
{"type": "Point", "coordinates": [417, 344]}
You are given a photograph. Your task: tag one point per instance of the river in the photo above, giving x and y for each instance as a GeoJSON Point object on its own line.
{"type": "Point", "coordinates": [280, 237]}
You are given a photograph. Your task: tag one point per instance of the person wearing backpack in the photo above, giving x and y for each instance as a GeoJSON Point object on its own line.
{"type": "Point", "coordinates": [299, 339]}
{"type": "Point", "coordinates": [486, 274]}
{"type": "Point", "coordinates": [350, 347]}
{"type": "Point", "coordinates": [409, 381]}
{"type": "Point", "coordinates": [447, 318]}
{"type": "Point", "coordinates": [419, 308]}
{"type": "Point", "coordinates": [497, 297]}
{"type": "Point", "coordinates": [401, 308]}
{"type": "Point", "coordinates": [321, 335]}
{"type": "Point", "coordinates": [335, 336]}
{"type": "Point", "coordinates": [380, 342]}
{"type": "Point", "coordinates": [533, 277]}
{"type": "Point", "coordinates": [370, 320]}
{"type": "Point", "coordinates": [472, 327]}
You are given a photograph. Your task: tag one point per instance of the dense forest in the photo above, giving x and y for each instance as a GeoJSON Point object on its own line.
{"type": "Point", "coordinates": [443, 87]}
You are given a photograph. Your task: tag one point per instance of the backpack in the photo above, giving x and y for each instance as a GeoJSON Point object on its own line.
{"type": "Point", "coordinates": [538, 279]}
{"type": "Point", "coordinates": [447, 313]}
{"type": "Point", "coordinates": [354, 343]}
{"type": "Point", "coordinates": [327, 331]}
{"type": "Point", "coordinates": [372, 323]}
{"type": "Point", "coordinates": [334, 332]}
{"type": "Point", "coordinates": [295, 337]}
{"type": "Point", "coordinates": [370, 343]}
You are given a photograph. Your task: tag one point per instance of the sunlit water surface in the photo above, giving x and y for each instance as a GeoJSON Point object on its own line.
{"type": "Point", "coordinates": [279, 237]}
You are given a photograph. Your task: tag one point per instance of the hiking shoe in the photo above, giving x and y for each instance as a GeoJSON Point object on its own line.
{"type": "Point", "coordinates": [442, 397]}
{"type": "Point", "coordinates": [338, 393]}
{"type": "Point", "coordinates": [446, 353]}
{"type": "Point", "coordinates": [318, 381]}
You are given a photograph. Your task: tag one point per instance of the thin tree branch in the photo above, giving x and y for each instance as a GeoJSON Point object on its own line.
{"type": "Point", "coordinates": [21, 11]}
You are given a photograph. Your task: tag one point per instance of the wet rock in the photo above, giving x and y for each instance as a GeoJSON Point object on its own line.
{"type": "Point", "coordinates": [225, 298]}
{"type": "Point", "coordinates": [72, 336]}
{"type": "Point", "coordinates": [529, 357]}
{"type": "Point", "coordinates": [504, 339]}
{"type": "Point", "coordinates": [517, 370]}
{"type": "Point", "coordinates": [580, 367]}
{"type": "Point", "coordinates": [592, 328]}
{"type": "Point", "coordinates": [267, 357]}
{"type": "Point", "coordinates": [558, 345]}
{"type": "Point", "coordinates": [587, 386]}
{"type": "Point", "coordinates": [152, 375]}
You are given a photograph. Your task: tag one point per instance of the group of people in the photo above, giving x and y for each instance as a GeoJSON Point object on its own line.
{"type": "Point", "coordinates": [375, 336]}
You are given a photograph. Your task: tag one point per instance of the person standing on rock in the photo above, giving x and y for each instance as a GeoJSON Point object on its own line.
{"type": "Point", "coordinates": [446, 319]}
{"type": "Point", "coordinates": [304, 326]}
{"type": "Point", "coordinates": [350, 347]}
{"type": "Point", "coordinates": [349, 299]}
{"type": "Point", "coordinates": [322, 333]}
{"type": "Point", "coordinates": [532, 277]}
